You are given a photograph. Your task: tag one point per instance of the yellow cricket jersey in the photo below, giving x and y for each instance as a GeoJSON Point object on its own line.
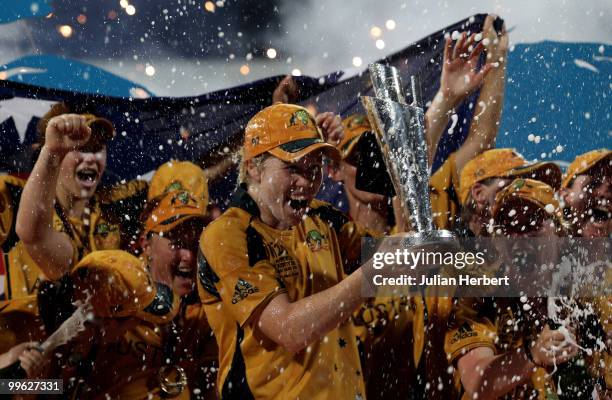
{"type": "Point", "coordinates": [129, 366]}
{"type": "Point", "coordinates": [444, 186]}
{"type": "Point", "coordinates": [242, 265]}
{"type": "Point", "coordinates": [492, 323]}
{"type": "Point", "coordinates": [129, 350]}
{"type": "Point", "coordinates": [112, 224]}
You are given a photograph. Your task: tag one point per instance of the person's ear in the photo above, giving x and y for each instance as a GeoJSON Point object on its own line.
{"type": "Point", "coordinates": [253, 171]}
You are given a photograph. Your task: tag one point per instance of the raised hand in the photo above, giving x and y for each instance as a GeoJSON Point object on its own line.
{"type": "Point", "coordinates": [331, 125]}
{"type": "Point", "coordinates": [460, 76]}
{"type": "Point", "coordinates": [286, 91]}
{"type": "Point", "coordinates": [495, 43]}
{"type": "Point", "coordinates": [65, 133]}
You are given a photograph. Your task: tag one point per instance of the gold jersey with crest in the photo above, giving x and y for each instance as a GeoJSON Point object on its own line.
{"type": "Point", "coordinates": [111, 222]}
{"type": "Point", "coordinates": [242, 265]}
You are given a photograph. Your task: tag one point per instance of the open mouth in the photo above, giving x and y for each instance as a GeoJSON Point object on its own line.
{"type": "Point", "coordinates": [87, 176]}
{"type": "Point", "coordinates": [600, 214]}
{"type": "Point", "coordinates": [184, 272]}
{"type": "Point", "coordinates": [298, 204]}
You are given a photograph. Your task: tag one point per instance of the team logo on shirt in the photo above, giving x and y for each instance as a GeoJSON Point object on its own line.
{"type": "Point", "coordinates": [286, 266]}
{"type": "Point", "coordinates": [316, 241]}
{"type": "Point", "coordinates": [464, 332]}
{"type": "Point", "coordinates": [242, 290]}
{"type": "Point", "coordinates": [106, 236]}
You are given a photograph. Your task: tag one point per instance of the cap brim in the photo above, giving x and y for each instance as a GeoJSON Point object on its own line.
{"type": "Point", "coordinates": [525, 207]}
{"type": "Point", "coordinates": [569, 178]}
{"type": "Point", "coordinates": [546, 172]}
{"type": "Point", "coordinates": [346, 149]}
{"type": "Point", "coordinates": [290, 155]}
{"type": "Point", "coordinates": [174, 221]}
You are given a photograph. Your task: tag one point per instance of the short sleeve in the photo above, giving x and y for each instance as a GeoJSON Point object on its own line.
{"type": "Point", "coordinates": [468, 330]}
{"type": "Point", "coordinates": [233, 267]}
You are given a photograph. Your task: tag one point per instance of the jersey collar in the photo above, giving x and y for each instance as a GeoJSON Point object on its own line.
{"type": "Point", "coordinates": [243, 200]}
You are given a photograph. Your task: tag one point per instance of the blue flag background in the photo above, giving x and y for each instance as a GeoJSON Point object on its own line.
{"type": "Point", "coordinates": [556, 107]}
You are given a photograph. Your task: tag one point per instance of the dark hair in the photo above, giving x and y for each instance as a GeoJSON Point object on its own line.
{"type": "Point", "coordinates": [59, 109]}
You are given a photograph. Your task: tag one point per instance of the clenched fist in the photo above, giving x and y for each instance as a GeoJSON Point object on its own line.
{"type": "Point", "coordinates": [65, 133]}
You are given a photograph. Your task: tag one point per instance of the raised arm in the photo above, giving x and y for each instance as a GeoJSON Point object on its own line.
{"type": "Point", "coordinates": [459, 79]}
{"type": "Point", "coordinates": [50, 249]}
{"type": "Point", "coordinates": [487, 114]}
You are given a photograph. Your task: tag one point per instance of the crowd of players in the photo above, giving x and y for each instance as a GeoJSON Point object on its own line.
{"type": "Point", "coordinates": [265, 301]}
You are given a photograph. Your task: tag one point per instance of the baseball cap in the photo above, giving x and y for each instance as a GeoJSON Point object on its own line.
{"type": "Point", "coordinates": [117, 284]}
{"type": "Point", "coordinates": [171, 209]}
{"type": "Point", "coordinates": [505, 163]}
{"type": "Point", "coordinates": [525, 197]}
{"type": "Point", "coordinates": [102, 129]}
{"type": "Point", "coordinates": [179, 175]}
{"type": "Point", "coordinates": [354, 127]}
{"type": "Point", "coordinates": [583, 163]}
{"type": "Point", "coordinates": [286, 131]}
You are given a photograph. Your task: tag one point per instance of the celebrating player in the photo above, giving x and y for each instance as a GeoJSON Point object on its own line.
{"type": "Point", "coordinates": [271, 273]}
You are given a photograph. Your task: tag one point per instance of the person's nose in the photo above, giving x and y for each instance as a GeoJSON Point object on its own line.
{"type": "Point", "coordinates": [302, 180]}
{"type": "Point", "coordinates": [187, 255]}
{"type": "Point", "coordinates": [88, 157]}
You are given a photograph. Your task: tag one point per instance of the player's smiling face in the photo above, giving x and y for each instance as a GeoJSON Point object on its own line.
{"type": "Point", "coordinates": [588, 202]}
{"type": "Point", "coordinates": [81, 171]}
{"type": "Point", "coordinates": [284, 190]}
{"type": "Point", "coordinates": [173, 256]}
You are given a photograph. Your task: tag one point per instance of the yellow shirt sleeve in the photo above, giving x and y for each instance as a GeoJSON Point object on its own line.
{"type": "Point", "coordinates": [468, 330]}
{"type": "Point", "coordinates": [235, 270]}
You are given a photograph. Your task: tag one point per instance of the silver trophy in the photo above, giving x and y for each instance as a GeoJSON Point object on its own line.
{"type": "Point", "coordinates": [400, 132]}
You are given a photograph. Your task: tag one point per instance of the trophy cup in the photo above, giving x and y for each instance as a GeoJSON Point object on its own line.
{"type": "Point", "coordinates": [400, 133]}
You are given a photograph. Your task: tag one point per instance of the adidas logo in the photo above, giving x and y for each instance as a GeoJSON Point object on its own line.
{"type": "Point", "coordinates": [242, 290]}
{"type": "Point", "coordinates": [465, 331]}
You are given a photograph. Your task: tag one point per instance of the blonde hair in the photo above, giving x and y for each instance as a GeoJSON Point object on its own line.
{"type": "Point", "coordinates": [243, 176]}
